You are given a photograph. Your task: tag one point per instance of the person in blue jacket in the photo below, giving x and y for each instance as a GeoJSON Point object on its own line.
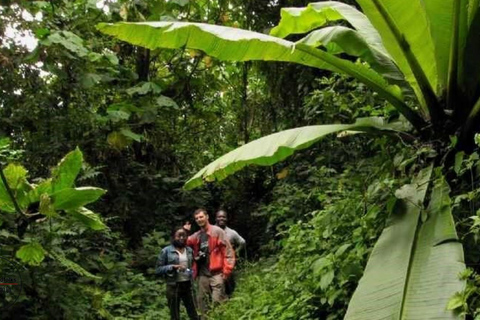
{"type": "Point", "coordinates": [175, 263]}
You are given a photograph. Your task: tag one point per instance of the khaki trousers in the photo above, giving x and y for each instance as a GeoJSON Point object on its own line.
{"type": "Point", "coordinates": [210, 286]}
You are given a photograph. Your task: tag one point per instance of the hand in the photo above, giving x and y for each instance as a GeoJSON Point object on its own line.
{"type": "Point", "coordinates": [176, 266]}
{"type": "Point", "coordinates": [181, 268]}
{"type": "Point", "coordinates": [187, 226]}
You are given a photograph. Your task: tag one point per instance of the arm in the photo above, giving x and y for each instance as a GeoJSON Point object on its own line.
{"type": "Point", "coordinates": [162, 267]}
{"type": "Point", "coordinates": [228, 255]}
{"type": "Point", "coordinates": [239, 242]}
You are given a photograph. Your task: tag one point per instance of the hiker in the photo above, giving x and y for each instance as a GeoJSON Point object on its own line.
{"type": "Point", "coordinates": [176, 263]}
{"type": "Point", "coordinates": [238, 243]}
{"type": "Point", "coordinates": [215, 259]}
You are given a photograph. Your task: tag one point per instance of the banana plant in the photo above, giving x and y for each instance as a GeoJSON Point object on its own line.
{"type": "Point", "coordinates": [417, 51]}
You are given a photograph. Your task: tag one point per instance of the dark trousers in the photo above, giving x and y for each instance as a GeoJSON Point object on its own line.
{"type": "Point", "coordinates": [230, 285]}
{"type": "Point", "coordinates": [181, 291]}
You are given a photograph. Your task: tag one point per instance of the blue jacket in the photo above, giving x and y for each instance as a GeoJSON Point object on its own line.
{"type": "Point", "coordinates": [167, 258]}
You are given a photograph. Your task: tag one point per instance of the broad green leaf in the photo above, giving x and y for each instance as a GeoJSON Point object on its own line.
{"type": "Point", "coordinates": [164, 101]}
{"type": "Point", "coordinates": [112, 58]}
{"type": "Point", "coordinates": [70, 265]}
{"type": "Point", "coordinates": [458, 162]}
{"type": "Point", "coordinates": [439, 14]}
{"type": "Point", "coordinates": [66, 171]}
{"type": "Point", "coordinates": [411, 260]}
{"type": "Point", "coordinates": [457, 49]}
{"type": "Point", "coordinates": [88, 218]}
{"type": "Point", "coordinates": [456, 301]}
{"type": "Point", "coordinates": [129, 134]}
{"type": "Point", "coordinates": [73, 198]}
{"type": "Point", "coordinates": [405, 32]}
{"type": "Point", "coordinates": [340, 39]}
{"type": "Point", "coordinates": [16, 175]}
{"type": "Point", "coordinates": [276, 147]}
{"type": "Point", "coordinates": [144, 88]}
{"type": "Point", "coordinates": [326, 279]}
{"type": "Point", "coordinates": [241, 45]}
{"type": "Point", "coordinates": [32, 254]}
{"type": "Point", "coordinates": [68, 40]}
{"type": "Point", "coordinates": [303, 20]}
{"type": "Point", "coordinates": [45, 187]}
{"type": "Point", "coordinates": [17, 181]}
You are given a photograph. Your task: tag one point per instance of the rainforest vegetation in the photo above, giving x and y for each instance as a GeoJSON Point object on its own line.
{"type": "Point", "coordinates": [342, 137]}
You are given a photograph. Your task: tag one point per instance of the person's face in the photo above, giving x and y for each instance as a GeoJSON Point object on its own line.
{"type": "Point", "coordinates": [221, 218]}
{"type": "Point", "coordinates": [201, 219]}
{"type": "Point", "coordinates": [180, 236]}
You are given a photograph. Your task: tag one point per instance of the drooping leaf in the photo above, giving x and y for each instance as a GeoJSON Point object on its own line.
{"type": "Point", "coordinates": [303, 20]}
{"type": "Point", "coordinates": [276, 147]}
{"type": "Point", "coordinates": [73, 198]}
{"type": "Point", "coordinates": [411, 260]}
{"type": "Point", "coordinates": [241, 45]}
{"type": "Point", "coordinates": [340, 39]}
{"type": "Point", "coordinates": [70, 265]}
{"type": "Point", "coordinates": [65, 173]}
{"type": "Point", "coordinates": [88, 218]}
{"type": "Point", "coordinates": [32, 253]}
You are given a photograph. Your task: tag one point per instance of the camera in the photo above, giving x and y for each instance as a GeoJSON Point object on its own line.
{"type": "Point", "coordinates": [201, 256]}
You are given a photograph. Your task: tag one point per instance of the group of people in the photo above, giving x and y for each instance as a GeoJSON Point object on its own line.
{"type": "Point", "coordinates": [208, 256]}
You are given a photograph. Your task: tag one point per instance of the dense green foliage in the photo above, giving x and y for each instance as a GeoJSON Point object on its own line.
{"type": "Point", "coordinates": [133, 124]}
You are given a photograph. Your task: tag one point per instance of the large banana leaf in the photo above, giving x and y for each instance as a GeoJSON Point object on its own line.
{"type": "Point", "coordinates": [303, 20]}
{"type": "Point", "coordinates": [276, 147]}
{"type": "Point", "coordinates": [405, 32]}
{"type": "Point", "coordinates": [338, 39]}
{"type": "Point", "coordinates": [413, 269]}
{"type": "Point", "coordinates": [440, 16]}
{"type": "Point", "coordinates": [241, 45]}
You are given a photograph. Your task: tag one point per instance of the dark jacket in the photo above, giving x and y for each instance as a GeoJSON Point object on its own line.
{"type": "Point", "coordinates": [167, 258]}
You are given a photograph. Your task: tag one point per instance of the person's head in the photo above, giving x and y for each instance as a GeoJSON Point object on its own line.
{"type": "Point", "coordinates": [201, 217]}
{"type": "Point", "coordinates": [221, 218]}
{"type": "Point", "coordinates": [179, 237]}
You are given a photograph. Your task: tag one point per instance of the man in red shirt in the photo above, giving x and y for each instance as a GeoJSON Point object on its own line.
{"type": "Point", "coordinates": [214, 257]}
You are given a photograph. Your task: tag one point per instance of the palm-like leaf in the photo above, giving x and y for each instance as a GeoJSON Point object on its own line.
{"type": "Point", "coordinates": [276, 147]}
{"type": "Point", "coordinates": [338, 39]}
{"type": "Point", "coordinates": [413, 269]}
{"type": "Point", "coordinates": [315, 15]}
{"type": "Point", "coordinates": [240, 45]}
